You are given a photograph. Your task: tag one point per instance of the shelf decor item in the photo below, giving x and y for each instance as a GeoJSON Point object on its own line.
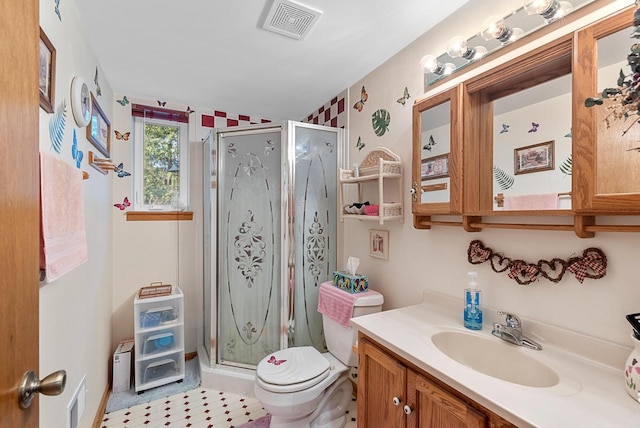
{"type": "Point", "coordinates": [155, 289]}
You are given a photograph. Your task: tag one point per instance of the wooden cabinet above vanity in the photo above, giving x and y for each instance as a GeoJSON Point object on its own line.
{"type": "Point", "coordinates": [522, 150]}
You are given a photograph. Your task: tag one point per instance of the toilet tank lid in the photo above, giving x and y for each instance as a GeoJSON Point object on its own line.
{"type": "Point", "coordinates": [369, 298]}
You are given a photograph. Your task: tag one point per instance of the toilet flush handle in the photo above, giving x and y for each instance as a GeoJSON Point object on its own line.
{"type": "Point", "coordinates": [396, 401]}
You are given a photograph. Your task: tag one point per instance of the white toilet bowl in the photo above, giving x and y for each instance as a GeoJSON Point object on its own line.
{"type": "Point", "coordinates": [317, 402]}
{"type": "Point", "coordinates": [300, 387]}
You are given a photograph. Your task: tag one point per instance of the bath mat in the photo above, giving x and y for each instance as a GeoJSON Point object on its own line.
{"type": "Point", "coordinates": [263, 422]}
{"type": "Point", "coordinates": [123, 400]}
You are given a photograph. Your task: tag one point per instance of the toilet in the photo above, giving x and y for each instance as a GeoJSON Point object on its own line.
{"type": "Point", "coordinates": [301, 387]}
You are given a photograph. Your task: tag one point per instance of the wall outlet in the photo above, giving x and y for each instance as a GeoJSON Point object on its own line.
{"type": "Point", "coordinates": [75, 408]}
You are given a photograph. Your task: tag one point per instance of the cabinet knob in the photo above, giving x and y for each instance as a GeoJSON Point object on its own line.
{"type": "Point", "coordinates": [407, 410]}
{"type": "Point", "coordinates": [396, 401]}
{"type": "Point", "coordinates": [414, 191]}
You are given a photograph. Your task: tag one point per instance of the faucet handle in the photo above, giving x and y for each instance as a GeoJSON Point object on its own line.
{"type": "Point", "coordinates": [512, 320]}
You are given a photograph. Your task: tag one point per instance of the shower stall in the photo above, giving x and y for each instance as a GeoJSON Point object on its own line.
{"type": "Point", "coordinates": [270, 238]}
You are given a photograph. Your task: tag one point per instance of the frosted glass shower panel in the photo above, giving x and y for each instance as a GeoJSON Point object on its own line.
{"type": "Point", "coordinates": [315, 220]}
{"type": "Point", "coordinates": [249, 230]}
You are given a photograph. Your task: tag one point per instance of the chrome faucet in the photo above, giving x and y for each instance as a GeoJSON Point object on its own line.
{"type": "Point", "coordinates": [511, 331]}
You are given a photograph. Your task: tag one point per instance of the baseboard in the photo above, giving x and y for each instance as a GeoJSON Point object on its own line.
{"type": "Point", "coordinates": [97, 421]}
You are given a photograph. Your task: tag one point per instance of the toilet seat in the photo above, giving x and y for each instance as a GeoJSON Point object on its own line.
{"type": "Point", "coordinates": [292, 369]}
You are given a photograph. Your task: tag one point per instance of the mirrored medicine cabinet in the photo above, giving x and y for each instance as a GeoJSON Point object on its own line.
{"type": "Point", "coordinates": [535, 157]}
{"type": "Point", "coordinates": [436, 185]}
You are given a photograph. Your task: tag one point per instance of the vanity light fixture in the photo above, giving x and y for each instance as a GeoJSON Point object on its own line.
{"type": "Point", "coordinates": [494, 27]}
{"type": "Point", "coordinates": [459, 48]}
{"type": "Point", "coordinates": [550, 10]}
{"type": "Point", "coordinates": [432, 65]}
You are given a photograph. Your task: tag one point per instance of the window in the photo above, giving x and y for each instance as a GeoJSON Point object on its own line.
{"type": "Point", "coordinates": [161, 159]}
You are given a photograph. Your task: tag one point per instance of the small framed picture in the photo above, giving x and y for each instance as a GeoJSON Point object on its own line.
{"type": "Point", "coordinates": [99, 129]}
{"type": "Point", "coordinates": [379, 244]}
{"type": "Point", "coordinates": [46, 72]}
{"type": "Point", "coordinates": [434, 167]}
{"type": "Point", "coordinates": [535, 158]}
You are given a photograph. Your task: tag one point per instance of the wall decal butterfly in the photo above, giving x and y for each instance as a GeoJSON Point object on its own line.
{"type": "Point", "coordinates": [190, 110]}
{"type": "Point", "coordinates": [57, 9]}
{"type": "Point", "coordinates": [505, 128]}
{"type": "Point", "coordinates": [162, 103]}
{"type": "Point", "coordinates": [359, 144]}
{"type": "Point", "coordinates": [120, 171]}
{"type": "Point", "coordinates": [534, 127]}
{"type": "Point", "coordinates": [124, 205]}
{"type": "Point", "coordinates": [363, 98]}
{"type": "Point", "coordinates": [402, 100]}
{"type": "Point", "coordinates": [95, 79]}
{"type": "Point", "coordinates": [75, 153]}
{"type": "Point", "coordinates": [569, 134]}
{"type": "Point", "coordinates": [430, 144]}
{"type": "Point", "coordinates": [123, 102]}
{"type": "Point", "coordinates": [272, 360]}
{"type": "Point", "coordinates": [122, 136]}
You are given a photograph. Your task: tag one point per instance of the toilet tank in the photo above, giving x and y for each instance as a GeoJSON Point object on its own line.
{"type": "Point", "coordinates": [340, 339]}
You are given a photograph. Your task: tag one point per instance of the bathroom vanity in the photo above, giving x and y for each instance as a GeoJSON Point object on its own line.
{"type": "Point", "coordinates": [409, 377]}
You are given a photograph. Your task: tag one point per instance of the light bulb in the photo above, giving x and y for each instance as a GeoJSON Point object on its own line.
{"type": "Point", "coordinates": [494, 27]}
{"type": "Point", "coordinates": [457, 47]}
{"type": "Point", "coordinates": [549, 9]}
{"type": "Point", "coordinates": [430, 63]}
{"type": "Point", "coordinates": [448, 68]}
{"type": "Point", "coordinates": [480, 51]}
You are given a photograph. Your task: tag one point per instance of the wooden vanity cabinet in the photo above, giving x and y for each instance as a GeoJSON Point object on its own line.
{"type": "Point", "coordinates": [392, 393]}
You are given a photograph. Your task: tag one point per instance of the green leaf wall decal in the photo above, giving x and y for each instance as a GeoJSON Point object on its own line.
{"type": "Point", "coordinates": [56, 126]}
{"type": "Point", "coordinates": [566, 167]}
{"type": "Point", "coordinates": [380, 121]}
{"type": "Point", "coordinates": [504, 180]}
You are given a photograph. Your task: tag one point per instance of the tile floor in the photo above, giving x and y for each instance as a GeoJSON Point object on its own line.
{"type": "Point", "coordinates": [198, 408]}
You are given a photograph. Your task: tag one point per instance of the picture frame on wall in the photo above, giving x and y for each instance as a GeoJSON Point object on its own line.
{"type": "Point", "coordinates": [46, 72]}
{"type": "Point", "coordinates": [434, 167]}
{"type": "Point", "coordinates": [379, 244]}
{"type": "Point", "coordinates": [99, 129]}
{"type": "Point", "coordinates": [534, 158]}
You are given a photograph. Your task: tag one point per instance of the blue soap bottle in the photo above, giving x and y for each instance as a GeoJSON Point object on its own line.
{"type": "Point", "coordinates": [472, 310]}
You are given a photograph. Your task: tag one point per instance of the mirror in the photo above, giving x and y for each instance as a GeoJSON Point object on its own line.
{"type": "Point", "coordinates": [618, 149]}
{"type": "Point", "coordinates": [518, 20]}
{"type": "Point", "coordinates": [437, 154]}
{"type": "Point", "coordinates": [532, 148]}
{"type": "Point", "coordinates": [607, 155]}
{"type": "Point", "coordinates": [519, 127]}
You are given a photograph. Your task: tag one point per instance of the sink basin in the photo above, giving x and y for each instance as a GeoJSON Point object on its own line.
{"type": "Point", "coordinates": [495, 358]}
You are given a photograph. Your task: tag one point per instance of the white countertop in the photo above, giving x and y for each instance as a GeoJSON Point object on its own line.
{"type": "Point", "coordinates": [591, 391]}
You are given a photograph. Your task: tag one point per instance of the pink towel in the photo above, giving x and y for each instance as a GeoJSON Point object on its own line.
{"type": "Point", "coordinates": [63, 242]}
{"type": "Point", "coordinates": [338, 304]}
{"type": "Point", "coordinates": [548, 201]}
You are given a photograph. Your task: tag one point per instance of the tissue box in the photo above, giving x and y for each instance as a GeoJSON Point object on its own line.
{"type": "Point", "coordinates": [351, 283]}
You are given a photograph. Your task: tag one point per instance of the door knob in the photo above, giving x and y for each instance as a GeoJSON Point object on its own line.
{"type": "Point", "coordinates": [50, 385]}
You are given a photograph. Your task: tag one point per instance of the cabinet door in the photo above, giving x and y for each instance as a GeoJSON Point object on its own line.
{"type": "Point", "coordinates": [432, 406]}
{"type": "Point", "coordinates": [380, 379]}
{"type": "Point", "coordinates": [606, 157]}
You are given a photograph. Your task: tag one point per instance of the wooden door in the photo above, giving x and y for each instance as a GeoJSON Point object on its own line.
{"type": "Point", "coordinates": [434, 407]}
{"type": "Point", "coordinates": [19, 210]}
{"type": "Point", "coordinates": [380, 379]}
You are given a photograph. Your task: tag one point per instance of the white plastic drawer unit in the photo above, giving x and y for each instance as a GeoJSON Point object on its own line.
{"type": "Point", "coordinates": [159, 340]}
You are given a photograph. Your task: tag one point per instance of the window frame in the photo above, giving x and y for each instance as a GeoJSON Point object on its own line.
{"type": "Point", "coordinates": [139, 123]}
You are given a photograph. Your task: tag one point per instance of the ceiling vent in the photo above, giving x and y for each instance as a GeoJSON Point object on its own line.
{"type": "Point", "coordinates": [290, 19]}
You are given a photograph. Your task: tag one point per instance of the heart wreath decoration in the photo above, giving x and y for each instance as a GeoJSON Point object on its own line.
{"type": "Point", "coordinates": [592, 264]}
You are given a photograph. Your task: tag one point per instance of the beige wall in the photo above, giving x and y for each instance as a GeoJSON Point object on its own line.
{"type": "Point", "coordinates": [75, 310]}
{"type": "Point", "coordinates": [436, 259]}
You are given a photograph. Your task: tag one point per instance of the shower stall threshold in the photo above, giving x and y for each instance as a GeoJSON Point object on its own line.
{"type": "Point", "coordinates": [227, 379]}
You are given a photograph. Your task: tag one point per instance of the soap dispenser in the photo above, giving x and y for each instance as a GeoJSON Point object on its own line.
{"type": "Point", "coordinates": [472, 310]}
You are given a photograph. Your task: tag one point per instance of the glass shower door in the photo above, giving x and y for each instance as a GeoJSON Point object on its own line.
{"type": "Point", "coordinates": [249, 245]}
